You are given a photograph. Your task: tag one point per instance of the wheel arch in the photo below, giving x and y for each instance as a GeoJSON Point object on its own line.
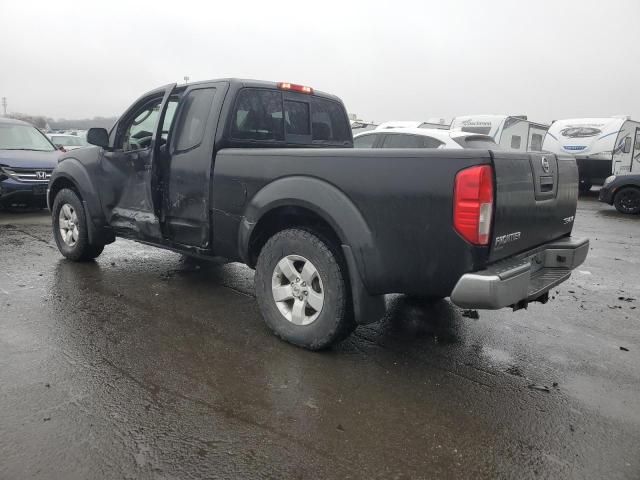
{"type": "Point", "coordinates": [61, 182]}
{"type": "Point", "coordinates": [323, 208]}
{"type": "Point", "coordinates": [304, 201]}
{"type": "Point", "coordinates": [73, 175]}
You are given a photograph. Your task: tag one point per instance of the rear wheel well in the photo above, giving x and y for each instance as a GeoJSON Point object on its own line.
{"type": "Point", "coordinates": [60, 184]}
{"type": "Point", "coordinates": [631, 186]}
{"type": "Point", "coordinates": [282, 218]}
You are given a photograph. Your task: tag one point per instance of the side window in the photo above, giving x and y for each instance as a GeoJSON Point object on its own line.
{"type": "Point", "coordinates": [516, 140]}
{"type": "Point", "coordinates": [536, 142]}
{"type": "Point", "coordinates": [365, 141]}
{"type": "Point", "coordinates": [296, 117]}
{"type": "Point", "coordinates": [193, 119]}
{"type": "Point", "coordinates": [399, 140]}
{"type": "Point", "coordinates": [430, 142]}
{"type": "Point", "coordinates": [258, 115]}
{"type": "Point", "coordinates": [328, 122]}
{"type": "Point", "coordinates": [137, 131]}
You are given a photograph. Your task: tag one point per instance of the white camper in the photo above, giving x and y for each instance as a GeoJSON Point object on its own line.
{"type": "Point", "coordinates": [514, 132]}
{"type": "Point", "coordinates": [601, 146]}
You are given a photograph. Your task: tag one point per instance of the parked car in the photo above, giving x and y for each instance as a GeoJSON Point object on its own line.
{"type": "Point", "coordinates": [217, 169]}
{"type": "Point", "coordinates": [623, 192]}
{"type": "Point", "coordinates": [411, 124]}
{"type": "Point", "coordinates": [422, 138]}
{"type": "Point", "coordinates": [359, 126]}
{"type": "Point", "coordinates": [67, 142]}
{"type": "Point", "coordinates": [27, 158]}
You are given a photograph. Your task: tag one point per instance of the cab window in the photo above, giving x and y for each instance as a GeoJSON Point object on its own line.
{"type": "Point", "coordinates": [267, 115]}
{"type": "Point", "coordinates": [190, 127]}
{"type": "Point", "coordinates": [328, 122]}
{"type": "Point", "coordinates": [258, 115]}
{"type": "Point", "coordinates": [137, 130]}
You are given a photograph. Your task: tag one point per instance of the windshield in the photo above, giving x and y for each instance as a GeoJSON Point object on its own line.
{"type": "Point", "coordinates": [67, 141]}
{"type": "Point", "coordinates": [23, 137]}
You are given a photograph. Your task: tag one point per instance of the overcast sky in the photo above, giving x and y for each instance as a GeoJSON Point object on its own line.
{"type": "Point", "coordinates": [393, 60]}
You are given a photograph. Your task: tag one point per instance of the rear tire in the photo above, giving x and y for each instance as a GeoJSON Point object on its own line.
{"type": "Point", "coordinates": [627, 200]}
{"type": "Point", "coordinates": [70, 228]}
{"type": "Point", "coordinates": [302, 290]}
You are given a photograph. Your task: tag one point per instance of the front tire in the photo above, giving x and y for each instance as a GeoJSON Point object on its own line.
{"type": "Point", "coordinates": [70, 228]}
{"type": "Point", "coordinates": [627, 200]}
{"type": "Point", "coordinates": [302, 290]}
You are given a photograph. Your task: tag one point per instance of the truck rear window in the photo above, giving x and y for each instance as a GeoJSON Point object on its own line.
{"type": "Point", "coordinates": [265, 115]}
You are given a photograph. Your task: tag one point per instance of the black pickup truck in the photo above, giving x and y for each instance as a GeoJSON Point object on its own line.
{"type": "Point", "coordinates": [265, 174]}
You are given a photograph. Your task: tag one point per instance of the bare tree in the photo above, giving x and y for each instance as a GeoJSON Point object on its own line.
{"type": "Point", "coordinates": [36, 120]}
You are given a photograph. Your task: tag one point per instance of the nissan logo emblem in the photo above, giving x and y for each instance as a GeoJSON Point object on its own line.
{"type": "Point", "coordinates": [545, 164]}
{"type": "Point", "coordinates": [41, 175]}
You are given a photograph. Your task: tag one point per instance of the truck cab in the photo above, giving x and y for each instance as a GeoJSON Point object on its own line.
{"type": "Point", "coordinates": [155, 163]}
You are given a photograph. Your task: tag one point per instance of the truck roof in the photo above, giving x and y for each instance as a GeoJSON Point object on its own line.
{"type": "Point", "coordinates": [244, 82]}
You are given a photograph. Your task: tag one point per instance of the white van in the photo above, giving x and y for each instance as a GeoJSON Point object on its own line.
{"type": "Point", "coordinates": [513, 132]}
{"type": "Point", "coordinates": [601, 146]}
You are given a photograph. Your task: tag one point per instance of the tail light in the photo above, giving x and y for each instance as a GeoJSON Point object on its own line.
{"type": "Point", "coordinates": [473, 204]}
{"type": "Point", "coordinates": [295, 88]}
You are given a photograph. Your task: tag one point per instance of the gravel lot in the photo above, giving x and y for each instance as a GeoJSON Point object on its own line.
{"type": "Point", "coordinates": [145, 364]}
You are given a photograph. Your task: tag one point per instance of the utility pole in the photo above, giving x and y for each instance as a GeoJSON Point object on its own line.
{"type": "Point", "coordinates": [186, 79]}
{"type": "Point", "coordinates": [4, 106]}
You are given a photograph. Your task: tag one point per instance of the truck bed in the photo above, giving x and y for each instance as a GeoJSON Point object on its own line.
{"type": "Point", "coordinates": [400, 205]}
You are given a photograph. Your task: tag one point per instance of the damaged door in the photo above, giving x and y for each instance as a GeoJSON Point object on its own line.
{"type": "Point", "coordinates": [187, 163]}
{"type": "Point", "coordinates": [131, 192]}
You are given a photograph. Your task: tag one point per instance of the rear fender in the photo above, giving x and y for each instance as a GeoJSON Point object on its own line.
{"type": "Point", "coordinates": [326, 201]}
{"type": "Point", "coordinates": [333, 206]}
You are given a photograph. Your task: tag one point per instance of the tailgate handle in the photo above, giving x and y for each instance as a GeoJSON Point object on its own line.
{"type": "Point", "coordinates": [546, 184]}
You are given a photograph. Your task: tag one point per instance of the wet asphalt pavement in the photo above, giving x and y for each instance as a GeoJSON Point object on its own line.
{"type": "Point", "coordinates": [147, 365]}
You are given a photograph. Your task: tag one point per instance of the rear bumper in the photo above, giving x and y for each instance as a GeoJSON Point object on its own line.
{"type": "Point", "coordinates": [516, 281]}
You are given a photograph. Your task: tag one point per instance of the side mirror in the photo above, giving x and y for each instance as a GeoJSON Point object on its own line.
{"type": "Point", "coordinates": [98, 137]}
{"type": "Point", "coordinates": [627, 145]}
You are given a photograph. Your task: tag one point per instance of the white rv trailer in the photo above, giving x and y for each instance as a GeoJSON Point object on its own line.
{"type": "Point", "coordinates": [514, 132]}
{"type": "Point", "coordinates": [601, 146]}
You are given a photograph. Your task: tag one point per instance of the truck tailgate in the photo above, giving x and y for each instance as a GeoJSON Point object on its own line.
{"type": "Point", "coordinates": [536, 196]}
